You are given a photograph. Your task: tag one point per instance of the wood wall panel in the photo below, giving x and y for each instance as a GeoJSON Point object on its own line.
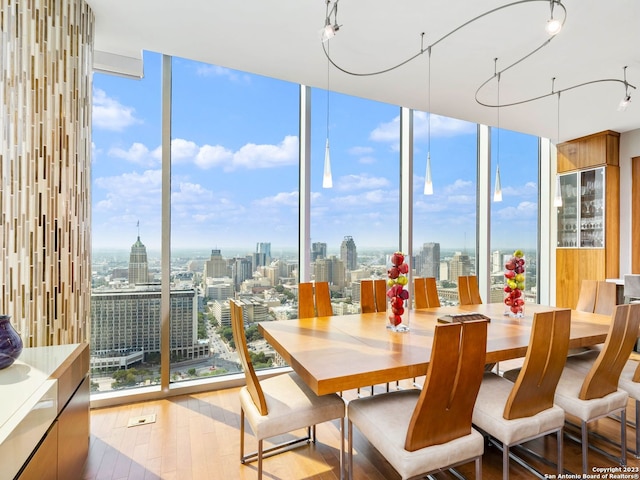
{"type": "Point", "coordinates": [612, 222]}
{"type": "Point", "coordinates": [635, 215]}
{"type": "Point", "coordinates": [572, 266]}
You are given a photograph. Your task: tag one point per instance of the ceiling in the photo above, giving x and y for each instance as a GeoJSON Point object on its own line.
{"type": "Point", "coordinates": [280, 39]}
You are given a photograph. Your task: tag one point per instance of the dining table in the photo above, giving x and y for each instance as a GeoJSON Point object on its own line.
{"type": "Point", "coordinates": [342, 352]}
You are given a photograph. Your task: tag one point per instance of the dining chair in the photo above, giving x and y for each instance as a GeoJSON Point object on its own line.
{"type": "Point", "coordinates": [630, 383]}
{"type": "Point", "coordinates": [425, 292]}
{"type": "Point", "coordinates": [428, 430]}
{"type": "Point", "coordinates": [588, 389]}
{"type": "Point", "coordinates": [468, 292]}
{"type": "Point", "coordinates": [279, 404]}
{"type": "Point", "coordinates": [433, 300]}
{"type": "Point", "coordinates": [515, 413]}
{"type": "Point", "coordinates": [632, 288]}
{"type": "Point", "coordinates": [314, 300]}
{"type": "Point", "coordinates": [587, 296]}
{"type": "Point", "coordinates": [373, 298]}
{"type": "Point", "coordinates": [606, 298]}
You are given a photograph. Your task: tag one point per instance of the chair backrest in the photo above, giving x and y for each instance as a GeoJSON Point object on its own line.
{"type": "Point", "coordinates": [602, 378]}
{"type": "Point", "coordinates": [468, 292]}
{"type": "Point", "coordinates": [323, 299]}
{"type": "Point", "coordinates": [420, 292]}
{"type": "Point", "coordinates": [606, 298]}
{"type": "Point", "coordinates": [432, 293]}
{"type": "Point", "coordinates": [306, 304]}
{"type": "Point", "coordinates": [380, 291]}
{"type": "Point", "coordinates": [632, 286]}
{"type": "Point", "coordinates": [373, 295]}
{"type": "Point", "coordinates": [544, 361]}
{"type": "Point", "coordinates": [253, 385]}
{"type": "Point", "coordinates": [445, 406]}
{"type": "Point", "coordinates": [587, 296]}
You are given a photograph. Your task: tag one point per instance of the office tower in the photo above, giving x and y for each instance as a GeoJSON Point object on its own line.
{"type": "Point", "coordinates": [216, 266]}
{"type": "Point", "coordinates": [138, 264]}
{"type": "Point", "coordinates": [240, 271]}
{"type": "Point", "coordinates": [258, 259]}
{"type": "Point", "coordinates": [348, 253]}
{"type": "Point", "coordinates": [318, 250]}
{"type": "Point", "coordinates": [460, 265]}
{"type": "Point", "coordinates": [128, 321]}
{"type": "Point", "coordinates": [428, 261]}
{"type": "Point", "coordinates": [497, 264]}
{"type": "Point", "coordinates": [265, 249]}
{"type": "Point", "coordinates": [330, 270]}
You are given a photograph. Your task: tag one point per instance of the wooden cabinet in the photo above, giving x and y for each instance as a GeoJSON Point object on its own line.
{"type": "Point", "coordinates": [577, 260]}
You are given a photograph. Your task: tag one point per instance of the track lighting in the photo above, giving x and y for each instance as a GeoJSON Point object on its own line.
{"type": "Point", "coordinates": [626, 100]}
{"type": "Point", "coordinates": [553, 24]}
{"type": "Point", "coordinates": [331, 27]}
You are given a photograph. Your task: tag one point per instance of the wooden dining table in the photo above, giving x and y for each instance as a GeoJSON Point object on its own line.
{"type": "Point", "coordinates": [343, 352]}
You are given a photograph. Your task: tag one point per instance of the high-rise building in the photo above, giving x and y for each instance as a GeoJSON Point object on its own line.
{"type": "Point", "coordinates": [126, 321]}
{"type": "Point", "coordinates": [348, 253]}
{"type": "Point", "coordinates": [428, 261]}
{"type": "Point", "coordinates": [330, 270]}
{"type": "Point", "coordinates": [216, 266]}
{"type": "Point", "coordinates": [264, 248]}
{"type": "Point", "coordinates": [460, 265]}
{"type": "Point", "coordinates": [318, 250]}
{"type": "Point", "coordinates": [138, 264]}
{"type": "Point", "coordinates": [240, 271]}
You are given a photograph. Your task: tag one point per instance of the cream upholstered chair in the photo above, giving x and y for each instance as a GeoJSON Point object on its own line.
{"type": "Point", "coordinates": [279, 404]}
{"type": "Point", "coordinates": [630, 383]}
{"type": "Point", "coordinates": [514, 413]}
{"type": "Point", "coordinates": [632, 288]}
{"type": "Point", "coordinates": [588, 389]}
{"type": "Point", "coordinates": [468, 292]}
{"type": "Point", "coordinates": [422, 431]}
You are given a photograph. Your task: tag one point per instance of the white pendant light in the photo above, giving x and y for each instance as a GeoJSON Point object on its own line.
{"type": "Point", "coordinates": [428, 184]}
{"type": "Point", "coordinates": [327, 181]}
{"type": "Point", "coordinates": [557, 201]}
{"type": "Point", "coordinates": [497, 191]}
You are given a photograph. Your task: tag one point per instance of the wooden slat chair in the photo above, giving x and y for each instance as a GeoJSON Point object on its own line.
{"type": "Point", "coordinates": [588, 389]}
{"type": "Point", "coordinates": [323, 299]}
{"type": "Point", "coordinates": [468, 292]}
{"type": "Point", "coordinates": [433, 300]}
{"type": "Point", "coordinates": [587, 296]}
{"type": "Point", "coordinates": [279, 404]}
{"type": "Point", "coordinates": [428, 430]}
{"type": "Point", "coordinates": [373, 298]}
{"type": "Point", "coordinates": [420, 292]}
{"type": "Point", "coordinates": [516, 413]}
{"type": "Point", "coordinates": [306, 303]}
{"type": "Point", "coordinates": [606, 298]}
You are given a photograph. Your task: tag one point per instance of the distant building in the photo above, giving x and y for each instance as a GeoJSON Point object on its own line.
{"type": "Point", "coordinates": [348, 253]}
{"type": "Point", "coordinates": [138, 264]}
{"type": "Point", "coordinates": [330, 270]}
{"type": "Point", "coordinates": [215, 267]}
{"type": "Point", "coordinates": [460, 265]}
{"type": "Point", "coordinates": [428, 261]}
{"type": "Point", "coordinates": [318, 250]}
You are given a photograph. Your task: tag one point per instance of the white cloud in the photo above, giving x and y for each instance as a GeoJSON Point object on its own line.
{"type": "Point", "coordinates": [287, 199]}
{"type": "Point", "coordinates": [129, 189]}
{"type": "Point", "coordinates": [109, 114]}
{"type": "Point", "coordinates": [210, 156]}
{"type": "Point", "coordinates": [360, 182]}
{"type": "Point", "coordinates": [190, 193]}
{"type": "Point", "coordinates": [440, 127]}
{"type": "Point", "coordinates": [138, 153]}
{"type": "Point", "coordinates": [216, 71]}
{"type": "Point", "coordinates": [253, 156]}
{"type": "Point", "coordinates": [360, 151]}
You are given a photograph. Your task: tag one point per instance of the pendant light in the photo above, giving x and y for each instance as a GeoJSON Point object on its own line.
{"type": "Point", "coordinates": [327, 181]}
{"type": "Point", "coordinates": [557, 201]}
{"type": "Point", "coordinates": [497, 191]}
{"type": "Point", "coordinates": [428, 184]}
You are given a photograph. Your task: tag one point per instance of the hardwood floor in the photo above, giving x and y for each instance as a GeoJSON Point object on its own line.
{"type": "Point", "coordinates": [197, 437]}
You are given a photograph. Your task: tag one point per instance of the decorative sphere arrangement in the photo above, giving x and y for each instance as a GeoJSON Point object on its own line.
{"type": "Point", "coordinates": [397, 294]}
{"type": "Point", "coordinates": [514, 275]}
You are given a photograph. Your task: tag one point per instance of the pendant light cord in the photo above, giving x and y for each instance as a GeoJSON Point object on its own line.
{"type": "Point", "coordinates": [328, 68]}
{"type": "Point", "coordinates": [429, 104]}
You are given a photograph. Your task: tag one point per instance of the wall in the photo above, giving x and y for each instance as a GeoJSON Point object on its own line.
{"type": "Point", "coordinates": [45, 144]}
{"type": "Point", "coordinates": [629, 148]}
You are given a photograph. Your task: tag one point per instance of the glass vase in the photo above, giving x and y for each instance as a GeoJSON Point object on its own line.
{"type": "Point", "coordinates": [514, 275]}
{"type": "Point", "coordinates": [10, 342]}
{"type": "Point", "coordinates": [398, 303]}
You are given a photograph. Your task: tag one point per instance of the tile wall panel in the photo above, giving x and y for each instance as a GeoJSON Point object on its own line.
{"type": "Point", "coordinates": [45, 200]}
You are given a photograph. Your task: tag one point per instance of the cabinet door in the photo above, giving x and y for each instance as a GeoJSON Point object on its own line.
{"type": "Point", "coordinates": [567, 214]}
{"type": "Point", "coordinates": [43, 464]}
{"type": "Point", "coordinates": [592, 207]}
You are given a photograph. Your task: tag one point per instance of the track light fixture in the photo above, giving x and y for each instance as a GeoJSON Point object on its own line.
{"type": "Point", "coordinates": [553, 24]}
{"type": "Point", "coordinates": [331, 27]}
{"type": "Point", "coordinates": [626, 100]}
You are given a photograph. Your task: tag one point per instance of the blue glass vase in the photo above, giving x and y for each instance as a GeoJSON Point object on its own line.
{"type": "Point", "coordinates": [10, 342]}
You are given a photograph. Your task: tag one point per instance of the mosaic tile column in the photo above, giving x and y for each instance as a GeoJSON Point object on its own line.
{"type": "Point", "coordinates": [45, 202]}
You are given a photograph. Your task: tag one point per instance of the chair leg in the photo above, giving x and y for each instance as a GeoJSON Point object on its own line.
{"type": "Point", "coordinates": [505, 461]}
{"type": "Point", "coordinates": [585, 447]}
{"type": "Point", "coordinates": [623, 437]}
{"type": "Point", "coordinates": [637, 452]}
{"type": "Point", "coordinates": [241, 435]}
{"type": "Point", "coordinates": [560, 437]}
{"type": "Point", "coordinates": [311, 433]}
{"type": "Point", "coordinates": [350, 449]}
{"type": "Point", "coordinates": [479, 468]}
{"type": "Point", "coordinates": [342, 448]}
{"type": "Point", "coordinates": [259, 459]}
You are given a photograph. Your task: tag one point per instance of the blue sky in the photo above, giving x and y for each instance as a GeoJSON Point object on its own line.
{"type": "Point", "coordinates": [235, 167]}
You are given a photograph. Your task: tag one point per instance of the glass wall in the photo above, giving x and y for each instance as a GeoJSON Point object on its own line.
{"type": "Point", "coordinates": [444, 223]}
{"type": "Point", "coordinates": [514, 220]}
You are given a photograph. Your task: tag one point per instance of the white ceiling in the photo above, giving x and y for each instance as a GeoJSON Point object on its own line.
{"type": "Point", "coordinates": [280, 39]}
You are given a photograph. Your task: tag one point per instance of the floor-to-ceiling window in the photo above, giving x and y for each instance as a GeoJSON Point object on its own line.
{"type": "Point", "coordinates": [444, 222]}
{"type": "Point", "coordinates": [514, 220]}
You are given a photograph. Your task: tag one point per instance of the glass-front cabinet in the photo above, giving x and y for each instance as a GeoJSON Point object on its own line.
{"type": "Point", "coordinates": [581, 216]}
